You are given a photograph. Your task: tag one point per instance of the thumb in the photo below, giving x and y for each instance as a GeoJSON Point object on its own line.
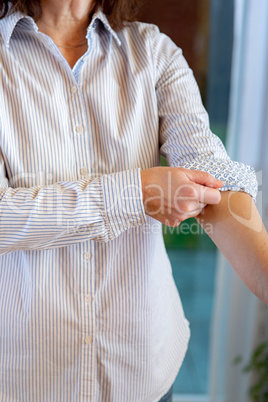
{"type": "Point", "coordinates": [204, 178]}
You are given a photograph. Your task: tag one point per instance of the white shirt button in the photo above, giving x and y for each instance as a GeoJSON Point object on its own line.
{"type": "Point", "coordinates": [79, 129]}
{"type": "Point", "coordinates": [83, 171]}
{"type": "Point", "coordinates": [74, 89]}
{"type": "Point", "coordinates": [87, 256]}
{"type": "Point", "coordinates": [88, 340]}
{"type": "Point", "coordinates": [88, 298]}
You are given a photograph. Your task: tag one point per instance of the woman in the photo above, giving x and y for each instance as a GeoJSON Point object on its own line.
{"type": "Point", "coordinates": [88, 307]}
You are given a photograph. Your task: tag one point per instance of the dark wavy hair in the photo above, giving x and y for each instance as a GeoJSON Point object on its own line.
{"type": "Point", "coordinates": [117, 11]}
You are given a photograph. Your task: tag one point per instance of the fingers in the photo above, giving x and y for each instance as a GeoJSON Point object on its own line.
{"type": "Point", "coordinates": [176, 194]}
{"type": "Point", "coordinates": [188, 197]}
{"type": "Point", "coordinates": [210, 195]}
{"type": "Point", "coordinates": [194, 209]}
{"type": "Point", "coordinates": [203, 178]}
{"type": "Point", "coordinates": [193, 195]}
{"type": "Point", "coordinates": [192, 213]}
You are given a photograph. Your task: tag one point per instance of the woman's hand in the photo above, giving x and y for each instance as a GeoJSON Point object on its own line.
{"type": "Point", "coordinates": [171, 195]}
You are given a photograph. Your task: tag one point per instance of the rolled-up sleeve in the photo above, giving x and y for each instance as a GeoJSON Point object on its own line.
{"type": "Point", "coordinates": [185, 136]}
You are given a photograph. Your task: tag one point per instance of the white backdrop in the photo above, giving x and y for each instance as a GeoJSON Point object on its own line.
{"type": "Point", "coordinates": [240, 319]}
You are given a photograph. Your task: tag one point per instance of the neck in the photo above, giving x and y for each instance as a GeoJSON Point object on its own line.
{"type": "Point", "coordinates": [66, 21]}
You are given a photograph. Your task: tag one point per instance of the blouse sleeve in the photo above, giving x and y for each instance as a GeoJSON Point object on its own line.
{"type": "Point", "coordinates": [185, 136]}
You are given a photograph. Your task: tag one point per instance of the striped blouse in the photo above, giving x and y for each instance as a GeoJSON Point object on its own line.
{"type": "Point", "coordinates": [88, 306]}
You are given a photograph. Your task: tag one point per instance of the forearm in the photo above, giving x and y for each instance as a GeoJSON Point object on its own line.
{"type": "Point", "coordinates": [235, 226]}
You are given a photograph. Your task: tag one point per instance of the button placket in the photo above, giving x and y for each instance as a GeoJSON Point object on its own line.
{"type": "Point", "coordinates": [78, 128]}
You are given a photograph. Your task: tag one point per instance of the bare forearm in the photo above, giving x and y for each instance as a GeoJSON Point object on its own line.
{"type": "Point", "coordinates": [237, 229]}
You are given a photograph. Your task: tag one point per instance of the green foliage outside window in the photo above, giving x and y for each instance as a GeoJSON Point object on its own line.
{"type": "Point", "coordinates": [258, 366]}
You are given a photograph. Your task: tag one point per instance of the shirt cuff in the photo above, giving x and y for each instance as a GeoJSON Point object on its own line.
{"type": "Point", "coordinates": [123, 201]}
{"type": "Point", "coordinates": [236, 176]}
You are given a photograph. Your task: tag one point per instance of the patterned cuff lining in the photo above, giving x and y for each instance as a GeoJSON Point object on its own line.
{"type": "Point", "coordinates": [235, 175]}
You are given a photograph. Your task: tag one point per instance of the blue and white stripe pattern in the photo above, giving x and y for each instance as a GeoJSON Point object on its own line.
{"type": "Point", "coordinates": [88, 307]}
